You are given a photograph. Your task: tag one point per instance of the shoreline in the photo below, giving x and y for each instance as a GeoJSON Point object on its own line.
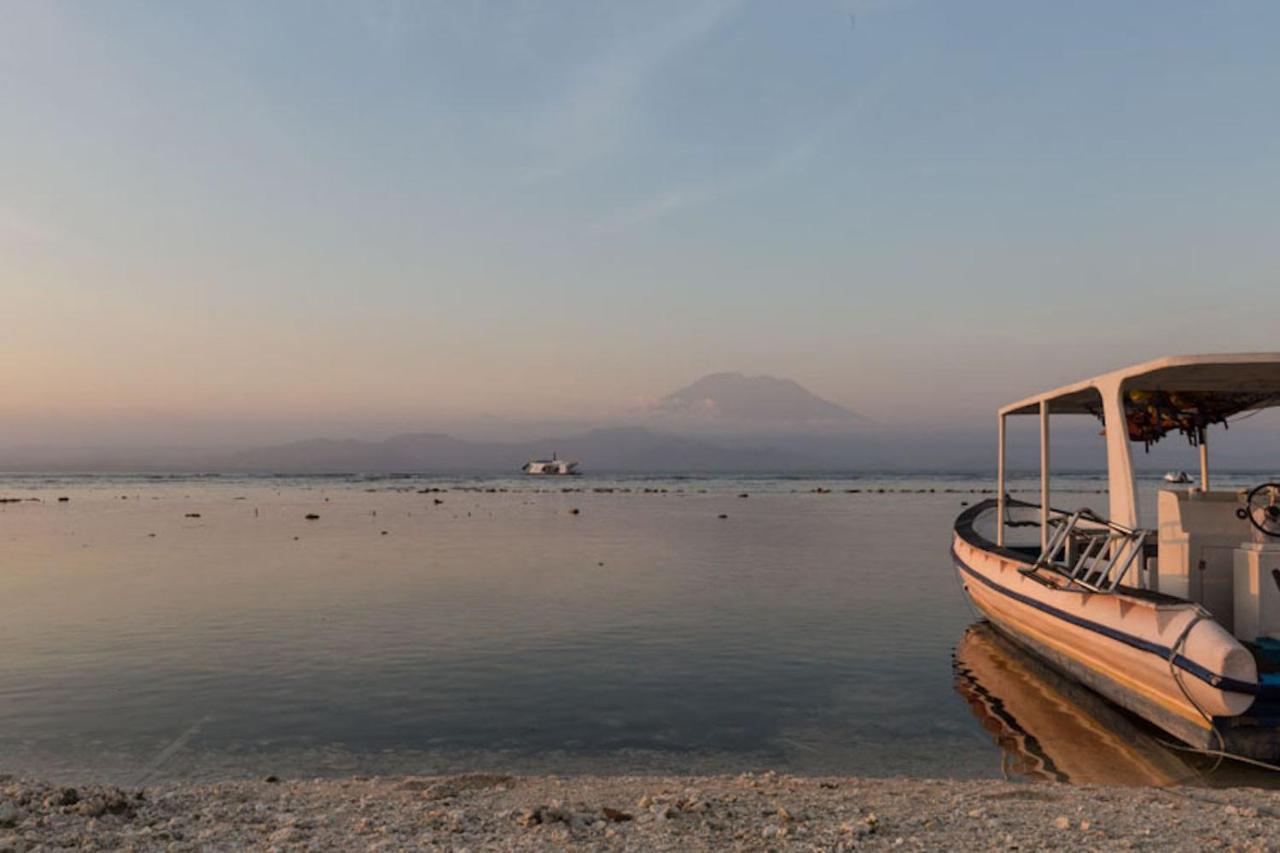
{"type": "Point", "coordinates": [748, 812]}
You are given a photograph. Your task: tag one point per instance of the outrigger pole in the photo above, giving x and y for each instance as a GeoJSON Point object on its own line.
{"type": "Point", "coordinates": [1044, 478]}
{"type": "Point", "coordinates": [1000, 498]}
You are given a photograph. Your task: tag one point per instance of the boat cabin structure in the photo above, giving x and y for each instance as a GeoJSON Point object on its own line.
{"type": "Point", "coordinates": [554, 466]}
{"type": "Point", "coordinates": [1179, 624]}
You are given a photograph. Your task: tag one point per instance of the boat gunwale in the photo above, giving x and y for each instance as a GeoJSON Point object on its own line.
{"type": "Point", "coordinates": [964, 528]}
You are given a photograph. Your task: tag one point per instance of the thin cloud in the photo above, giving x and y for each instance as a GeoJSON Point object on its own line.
{"type": "Point", "coordinates": [590, 120]}
{"type": "Point", "coordinates": [682, 197]}
{"type": "Point", "coordinates": [17, 229]}
{"type": "Point", "coordinates": [858, 8]}
{"type": "Point", "coordinates": [673, 199]}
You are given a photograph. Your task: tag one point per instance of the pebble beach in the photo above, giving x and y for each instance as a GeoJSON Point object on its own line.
{"type": "Point", "coordinates": [745, 812]}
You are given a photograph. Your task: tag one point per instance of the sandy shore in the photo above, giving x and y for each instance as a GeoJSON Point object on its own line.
{"type": "Point", "coordinates": [748, 812]}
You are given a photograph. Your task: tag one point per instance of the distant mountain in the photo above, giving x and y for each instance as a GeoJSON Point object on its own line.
{"type": "Point", "coordinates": [729, 405]}
{"type": "Point", "coordinates": [614, 449]}
{"type": "Point", "coordinates": [725, 422]}
{"type": "Point", "coordinates": [399, 454]}
{"type": "Point", "coordinates": [751, 400]}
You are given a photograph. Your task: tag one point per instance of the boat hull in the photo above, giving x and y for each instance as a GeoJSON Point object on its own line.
{"type": "Point", "coordinates": [1161, 659]}
{"type": "Point", "coordinates": [1052, 727]}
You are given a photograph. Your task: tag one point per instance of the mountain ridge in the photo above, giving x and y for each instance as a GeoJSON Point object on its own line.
{"type": "Point", "coordinates": [621, 449]}
{"type": "Point", "coordinates": [730, 397]}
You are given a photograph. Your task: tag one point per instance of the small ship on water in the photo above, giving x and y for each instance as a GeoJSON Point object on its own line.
{"type": "Point", "coordinates": [555, 465]}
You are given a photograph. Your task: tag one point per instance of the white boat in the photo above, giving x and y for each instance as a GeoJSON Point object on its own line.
{"type": "Point", "coordinates": [555, 466]}
{"type": "Point", "coordinates": [1177, 477]}
{"type": "Point", "coordinates": [1179, 625]}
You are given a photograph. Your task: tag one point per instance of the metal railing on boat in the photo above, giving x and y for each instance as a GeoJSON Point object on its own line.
{"type": "Point", "coordinates": [1090, 551]}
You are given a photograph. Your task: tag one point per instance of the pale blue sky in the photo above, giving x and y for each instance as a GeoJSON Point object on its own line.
{"type": "Point", "coordinates": [288, 210]}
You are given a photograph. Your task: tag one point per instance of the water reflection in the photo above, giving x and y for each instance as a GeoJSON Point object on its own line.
{"type": "Point", "coordinates": [530, 631]}
{"type": "Point", "coordinates": [498, 630]}
{"type": "Point", "coordinates": [1049, 727]}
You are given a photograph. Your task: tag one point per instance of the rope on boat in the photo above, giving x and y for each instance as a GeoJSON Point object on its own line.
{"type": "Point", "coordinates": [1174, 650]}
{"type": "Point", "coordinates": [1221, 754]}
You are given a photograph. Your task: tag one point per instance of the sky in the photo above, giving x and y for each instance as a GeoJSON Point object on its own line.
{"type": "Point", "coordinates": [235, 216]}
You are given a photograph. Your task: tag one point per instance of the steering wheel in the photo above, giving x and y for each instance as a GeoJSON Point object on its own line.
{"type": "Point", "coordinates": [1262, 508]}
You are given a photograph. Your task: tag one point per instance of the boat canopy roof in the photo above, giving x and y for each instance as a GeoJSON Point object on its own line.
{"type": "Point", "coordinates": [1146, 402]}
{"type": "Point", "coordinates": [1248, 380]}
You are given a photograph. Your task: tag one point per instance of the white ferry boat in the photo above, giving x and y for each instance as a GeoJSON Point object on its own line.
{"type": "Point", "coordinates": [1180, 625]}
{"type": "Point", "coordinates": [555, 465]}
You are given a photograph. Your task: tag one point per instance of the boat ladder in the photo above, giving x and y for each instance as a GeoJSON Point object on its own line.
{"type": "Point", "coordinates": [1091, 552]}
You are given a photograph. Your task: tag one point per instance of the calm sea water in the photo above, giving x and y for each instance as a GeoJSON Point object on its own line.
{"type": "Point", "coordinates": [188, 627]}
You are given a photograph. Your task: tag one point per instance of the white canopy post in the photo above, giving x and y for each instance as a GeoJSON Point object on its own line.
{"type": "Point", "coordinates": [1000, 503]}
{"type": "Point", "coordinates": [1122, 494]}
{"type": "Point", "coordinates": [1204, 460]}
{"type": "Point", "coordinates": [1044, 477]}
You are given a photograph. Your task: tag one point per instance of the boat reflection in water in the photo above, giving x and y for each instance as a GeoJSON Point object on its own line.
{"type": "Point", "coordinates": [1052, 728]}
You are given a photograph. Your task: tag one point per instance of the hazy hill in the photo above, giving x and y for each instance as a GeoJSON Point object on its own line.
{"type": "Point", "coordinates": [615, 449]}
{"type": "Point", "coordinates": [734, 399]}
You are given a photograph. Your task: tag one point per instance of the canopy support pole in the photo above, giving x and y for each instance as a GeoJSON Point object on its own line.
{"type": "Point", "coordinates": [1044, 477]}
{"type": "Point", "coordinates": [1121, 489]}
{"type": "Point", "coordinates": [1000, 501]}
{"type": "Point", "coordinates": [1204, 460]}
